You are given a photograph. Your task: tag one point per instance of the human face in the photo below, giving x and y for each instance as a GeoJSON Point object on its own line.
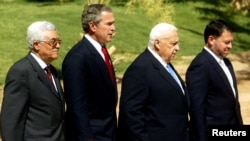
{"type": "Point", "coordinates": [168, 46]}
{"type": "Point", "coordinates": [221, 45]}
{"type": "Point", "coordinates": [104, 30]}
{"type": "Point", "coordinates": [48, 49]}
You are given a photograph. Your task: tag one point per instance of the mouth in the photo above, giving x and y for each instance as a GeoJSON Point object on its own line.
{"type": "Point", "coordinates": [55, 50]}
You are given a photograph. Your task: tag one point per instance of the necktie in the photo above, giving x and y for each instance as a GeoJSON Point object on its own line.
{"type": "Point", "coordinates": [47, 69]}
{"type": "Point", "coordinates": [228, 74]}
{"type": "Point", "coordinates": [172, 73]}
{"type": "Point", "coordinates": [107, 62]}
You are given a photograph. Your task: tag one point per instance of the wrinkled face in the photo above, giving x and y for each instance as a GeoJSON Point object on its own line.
{"type": "Point", "coordinates": [104, 30]}
{"type": "Point", "coordinates": [168, 46]}
{"type": "Point", "coordinates": [221, 45]}
{"type": "Point", "coordinates": [48, 49]}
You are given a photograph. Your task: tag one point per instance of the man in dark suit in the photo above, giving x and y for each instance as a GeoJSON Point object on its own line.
{"type": "Point", "coordinates": [33, 105]}
{"type": "Point", "coordinates": [89, 80]}
{"type": "Point", "coordinates": [153, 105]}
{"type": "Point", "coordinates": [211, 82]}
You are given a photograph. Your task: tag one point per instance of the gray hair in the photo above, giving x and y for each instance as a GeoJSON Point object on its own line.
{"type": "Point", "coordinates": [160, 31]}
{"type": "Point", "coordinates": [92, 13]}
{"type": "Point", "coordinates": [35, 31]}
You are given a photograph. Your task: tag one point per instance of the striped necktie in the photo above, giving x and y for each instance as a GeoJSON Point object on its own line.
{"type": "Point", "coordinates": [47, 69]}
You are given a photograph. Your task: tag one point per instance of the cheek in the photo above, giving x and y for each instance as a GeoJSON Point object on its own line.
{"type": "Point", "coordinates": [53, 55]}
{"type": "Point", "coordinates": [219, 44]}
{"type": "Point", "coordinates": [164, 52]}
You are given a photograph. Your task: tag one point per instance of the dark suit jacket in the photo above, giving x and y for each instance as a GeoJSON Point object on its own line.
{"type": "Point", "coordinates": [90, 95]}
{"type": "Point", "coordinates": [212, 99]}
{"type": "Point", "coordinates": [32, 110]}
{"type": "Point", "coordinates": [152, 105]}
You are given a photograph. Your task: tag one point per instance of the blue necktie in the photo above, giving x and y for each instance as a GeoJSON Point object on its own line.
{"type": "Point", "coordinates": [172, 73]}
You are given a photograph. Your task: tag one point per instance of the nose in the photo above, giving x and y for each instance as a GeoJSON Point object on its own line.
{"type": "Point", "coordinates": [58, 45]}
{"type": "Point", "coordinates": [230, 45]}
{"type": "Point", "coordinates": [177, 47]}
{"type": "Point", "coordinates": [113, 27]}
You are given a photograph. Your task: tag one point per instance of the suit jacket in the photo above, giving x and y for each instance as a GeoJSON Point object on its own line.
{"type": "Point", "coordinates": [32, 109]}
{"type": "Point", "coordinates": [211, 96]}
{"type": "Point", "coordinates": [152, 105]}
{"type": "Point", "coordinates": [90, 95]}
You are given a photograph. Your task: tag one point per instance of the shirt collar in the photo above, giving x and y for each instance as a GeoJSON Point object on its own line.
{"type": "Point", "coordinates": [164, 63]}
{"type": "Point", "coordinates": [39, 60]}
{"type": "Point", "coordinates": [213, 54]}
{"type": "Point", "coordinates": [93, 42]}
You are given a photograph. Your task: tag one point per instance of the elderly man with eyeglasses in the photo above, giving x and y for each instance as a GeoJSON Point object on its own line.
{"type": "Point", "coordinates": [33, 105]}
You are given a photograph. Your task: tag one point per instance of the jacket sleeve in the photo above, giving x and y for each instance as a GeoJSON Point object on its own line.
{"type": "Point", "coordinates": [14, 106]}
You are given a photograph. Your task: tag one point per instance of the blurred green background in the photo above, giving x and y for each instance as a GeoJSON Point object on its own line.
{"type": "Point", "coordinates": [133, 24]}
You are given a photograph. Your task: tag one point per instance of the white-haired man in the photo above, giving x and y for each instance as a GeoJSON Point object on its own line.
{"type": "Point", "coordinates": [33, 103]}
{"type": "Point", "coordinates": [154, 101]}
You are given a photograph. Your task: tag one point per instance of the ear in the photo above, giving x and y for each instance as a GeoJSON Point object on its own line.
{"type": "Point", "coordinates": [36, 45]}
{"type": "Point", "coordinates": [156, 44]}
{"type": "Point", "coordinates": [92, 26]}
{"type": "Point", "coordinates": [210, 40]}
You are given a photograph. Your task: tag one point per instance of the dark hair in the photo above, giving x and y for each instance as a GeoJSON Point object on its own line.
{"type": "Point", "coordinates": [215, 28]}
{"type": "Point", "coordinates": [92, 13]}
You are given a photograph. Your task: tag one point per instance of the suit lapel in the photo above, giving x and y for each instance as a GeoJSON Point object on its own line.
{"type": "Point", "coordinates": [179, 77]}
{"type": "Point", "coordinates": [42, 75]}
{"type": "Point", "coordinates": [57, 82]}
{"type": "Point", "coordinates": [99, 60]}
{"type": "Point", "coordinates": [164, 73]}
{"type": "Point", "coordinates": [231, 70]}
{"type": "Point", "coordinates": [220, 73]}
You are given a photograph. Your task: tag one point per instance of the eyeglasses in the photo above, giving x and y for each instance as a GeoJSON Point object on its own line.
{"type": "Point", "coordinates": [53, 42]}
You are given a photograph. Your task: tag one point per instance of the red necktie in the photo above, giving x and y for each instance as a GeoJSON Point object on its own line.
{"type": "Point", "coordinates": [107, 62]}
{"type": "Point", "coordinates": [47, 69]}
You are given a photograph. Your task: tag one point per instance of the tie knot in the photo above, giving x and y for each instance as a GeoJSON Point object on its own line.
{"type": "Point", "coordinates": [103, 46]}
{"type": "Point", "coordinates": [168, 65]}
{"type": "Point", "coordinates": [47, 69]}
{"type": "Point", "coordinates": [222, 62]}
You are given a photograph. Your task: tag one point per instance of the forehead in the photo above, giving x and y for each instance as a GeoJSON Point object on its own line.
{"type": "Point", "coordinates": [172, 36]}
{"type": "Point", "coordinates": [107, 16]}
{"type": "Point", "coordinates": [227, 35]}
{"type": "Point", "coordinates": [50, 34]}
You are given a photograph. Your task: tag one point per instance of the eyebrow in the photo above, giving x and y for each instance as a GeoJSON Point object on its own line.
{"type": "Point", "coordinates": [55, 38]}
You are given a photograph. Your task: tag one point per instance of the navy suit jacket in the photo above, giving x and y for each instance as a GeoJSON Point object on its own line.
{"type": "Point", "coordinates": [32, 109]}
{"type": "Point", "coordinates": [152, 105]}
{"type": "Point", "coordinates": [212, 101]}
{"type": "Point", "coordinates": [90, 95]}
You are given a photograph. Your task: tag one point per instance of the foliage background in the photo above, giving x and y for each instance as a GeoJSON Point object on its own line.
{"type": "Point", "coordinates": [133, 24]}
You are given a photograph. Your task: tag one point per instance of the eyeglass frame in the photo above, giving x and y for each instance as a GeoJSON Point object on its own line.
{"type": "Point", "coordinates": [53, 42]}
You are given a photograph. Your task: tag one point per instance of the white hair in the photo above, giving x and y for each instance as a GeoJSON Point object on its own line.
{"type": "Point", "coordinates": [35, 31]}
{"type": "Point", "coordinates": [160, 31]}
